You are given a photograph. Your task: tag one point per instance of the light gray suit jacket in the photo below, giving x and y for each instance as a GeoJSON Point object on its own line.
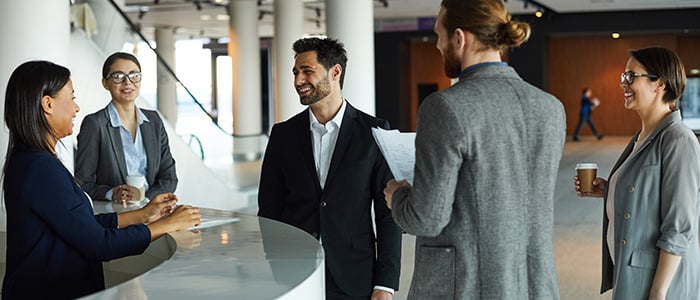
{"type": "Point", "coordinates": [100, 163]}
{"type": "Point", "coordinates": [487, 155]}
{"type": "Point", "coordinates": [656, 207]}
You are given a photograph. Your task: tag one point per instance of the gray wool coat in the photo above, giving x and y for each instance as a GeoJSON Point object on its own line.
{"type": "Point", "coordinates": [487, 155]}
{"type": "Point", "coordinates": [656, 207]}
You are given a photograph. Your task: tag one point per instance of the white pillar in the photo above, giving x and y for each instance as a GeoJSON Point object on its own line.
{"type": "Point", "coordinates": [244, 49]}
{"type": "Point", "coordinates": [352, 22]}
{"type": "Point", "coordinates": [289, 26]}
{"type": "Point", "coordinates": [166, 90]}
{"type": "Point", "coordinates": [29, 33]}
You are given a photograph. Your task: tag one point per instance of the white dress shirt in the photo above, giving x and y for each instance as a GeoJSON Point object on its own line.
{"type": "Point", "coordinates": [323, 139]}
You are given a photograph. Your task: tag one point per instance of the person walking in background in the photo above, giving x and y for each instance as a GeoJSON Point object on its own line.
{"type": "Point", "coordinates": [650, 219]}
{"type": "Point", "coordinates": [481, 204]}
{"type": "Point", "coordinates": [55, 242]}
{"type": "Point", "coordinates": [588, 104]}
{"type": "Point", "coordinates": [122, 140]}
{"type": "Point", "coordinates": [322, 172]}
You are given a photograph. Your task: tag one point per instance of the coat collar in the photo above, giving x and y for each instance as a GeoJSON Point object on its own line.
{"type": "Point", "coordinates": [673, 117]}
{"type": "Point", "coordinates": [115, 141]}
{"type": "Point", "coordinates": [670, 119]}
{"type": "Point", "coordinates": [342, 144]}
{"type": "Point", "coordinates": [489, 70]}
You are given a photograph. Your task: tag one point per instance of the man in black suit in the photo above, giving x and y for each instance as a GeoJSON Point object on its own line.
{"type": "Point", "coordinates": [321, 173]}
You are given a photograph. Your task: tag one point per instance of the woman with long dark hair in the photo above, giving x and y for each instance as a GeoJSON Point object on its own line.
{"type": "Point", "coordinates": [55, 242]}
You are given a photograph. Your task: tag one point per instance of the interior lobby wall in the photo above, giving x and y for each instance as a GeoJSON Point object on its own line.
{"type": "Point", "coordinates": [596, 62]}
{"type": "Point", "coordinates": [678, 29]}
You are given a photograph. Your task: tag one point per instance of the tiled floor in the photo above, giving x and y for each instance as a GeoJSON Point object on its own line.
{"type": "Point", "coordinates": [577, 221]}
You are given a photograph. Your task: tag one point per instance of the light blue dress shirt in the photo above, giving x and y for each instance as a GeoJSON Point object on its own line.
{"type": "Point", "coordinates": [134, 152]}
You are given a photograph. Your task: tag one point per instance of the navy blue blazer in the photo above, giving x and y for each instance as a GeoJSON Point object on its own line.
{"type": "Point", "coordinates": [55, 243]}
{"type": "Point", "coordinates": [290, 192]}
{"type": "Point", "coordinates": [100, 164]}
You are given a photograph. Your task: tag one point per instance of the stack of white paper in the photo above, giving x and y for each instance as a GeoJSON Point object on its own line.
{"type": "Point", "coordinates": [399, 151]}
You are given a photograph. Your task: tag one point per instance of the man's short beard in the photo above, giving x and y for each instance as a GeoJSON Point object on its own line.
{"type": "Point", "coordinates": [452, 65]}
{"type": "Point", "coordinates": [321, 90]}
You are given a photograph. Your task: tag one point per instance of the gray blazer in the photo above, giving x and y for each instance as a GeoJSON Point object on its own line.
{"type": "Point", "coordinates": [487, 155]}
{"type": "Point", "coordinates": [100, 163]}
{"type": "Point", "coordinates": [656, 207]}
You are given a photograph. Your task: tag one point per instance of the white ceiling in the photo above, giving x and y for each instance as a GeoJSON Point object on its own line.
{"type": "Point", "coordinates": [211, 21]}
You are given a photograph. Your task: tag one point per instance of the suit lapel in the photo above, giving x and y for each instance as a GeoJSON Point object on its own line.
{"type": "Point", "coordinates": [150, 140]}
{"type": "Point", "coordinates": [306, 149]}
{"type": "Point", "coordinates": [344, 139]}
{"type": "Point", "coordinates": [116, 141]}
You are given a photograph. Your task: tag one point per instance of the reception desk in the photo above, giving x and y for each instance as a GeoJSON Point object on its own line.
{"type": "Point", "coordinates": [231, 256]}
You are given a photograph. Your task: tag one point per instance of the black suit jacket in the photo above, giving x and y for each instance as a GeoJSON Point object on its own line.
{"type": "Point", "coordinates": [340, 214]}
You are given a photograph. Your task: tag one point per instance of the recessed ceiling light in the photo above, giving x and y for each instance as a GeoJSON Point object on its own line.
{"type": "Point", "coordinates": [222, 17]}
{"type": "Point", "coordinates": [615, 35]}
{"type": "Point", "coordinates": [205, 17]}
{"type": "Point", "coordinates": [694, 71]}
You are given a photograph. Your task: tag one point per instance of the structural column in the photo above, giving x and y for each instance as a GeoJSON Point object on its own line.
{"type": "Point", "coordinates": [25, 37]}
{"type": "Point", "coordinates": [289, 26]}
{"type": "Point", "coordinates": [167, 89]}
{"type": "Point", "coordinates": [352, 22]}
{"type": "Point", "coordinates": [244, 49]}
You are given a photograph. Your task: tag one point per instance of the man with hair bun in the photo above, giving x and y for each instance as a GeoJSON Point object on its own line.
{"type": "Point", "coordinates": [487, 155]}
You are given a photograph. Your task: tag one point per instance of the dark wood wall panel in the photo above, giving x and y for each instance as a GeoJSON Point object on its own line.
{"type": "Point", "coordinates": [425, 67]}
{"type": "Point", "coordinates": [689, 51]}
{"type": "Point", "coordinates": [596, 62]}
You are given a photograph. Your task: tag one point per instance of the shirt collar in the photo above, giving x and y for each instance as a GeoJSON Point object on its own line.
{"type": "Point", "coordinates": [479, 65]}
{"type": "Point", "coordinates": [338, 119]}
{"type": "Point", "coordinates": [114, 116]}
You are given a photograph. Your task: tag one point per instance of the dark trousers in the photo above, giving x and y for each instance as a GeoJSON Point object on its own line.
{"type": "Point", "coordinates": [333, 292]}
{"type": "Point", "coordinates": [585, 118]}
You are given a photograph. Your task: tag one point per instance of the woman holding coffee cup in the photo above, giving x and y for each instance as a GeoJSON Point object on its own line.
{"type": "Point", "coordinates": [55, 242]}
{"type": "Point", "coordinates": [650, 221]}
{"type": "Point", "coordinates": [122, 141]}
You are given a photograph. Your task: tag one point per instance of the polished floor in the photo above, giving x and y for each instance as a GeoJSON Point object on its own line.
{"type": "Point", "coordinates": [577, 221]}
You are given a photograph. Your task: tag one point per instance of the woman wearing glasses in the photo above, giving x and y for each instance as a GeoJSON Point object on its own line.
{"type": "Point", "coordinates": [122, 140]}
{"type": "Point", "coordinates": [650, 221]}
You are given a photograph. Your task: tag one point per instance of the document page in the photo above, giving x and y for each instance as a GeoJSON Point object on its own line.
{"type": "Point", "coordinates": [399, 151]}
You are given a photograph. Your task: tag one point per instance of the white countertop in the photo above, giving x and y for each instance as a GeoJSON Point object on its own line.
{"type": "Point", "coordinates": [233, 256]}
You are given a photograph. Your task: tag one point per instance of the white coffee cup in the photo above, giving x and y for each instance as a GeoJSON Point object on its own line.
{"type": "Point", "coordinates": [138, 182]}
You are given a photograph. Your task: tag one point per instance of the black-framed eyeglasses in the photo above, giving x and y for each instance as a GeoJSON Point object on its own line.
{"type": "Point", "coordinates": [119, 77]}
{"type": "Point", "coordinates": [629, 76]}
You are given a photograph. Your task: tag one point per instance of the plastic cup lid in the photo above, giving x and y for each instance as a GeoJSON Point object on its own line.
{"type": "Point", "coordinates": [586, 166]}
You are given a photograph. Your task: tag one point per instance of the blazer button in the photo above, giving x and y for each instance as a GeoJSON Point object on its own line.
{"type": "Point", "coordinates": [623, 242]}
{"type": "Point", "coordinates": [631, 189]}
{"type": "Point", "coordinates": [628, 216]}
{"type": "Point", "coordinates": [323, 203]}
